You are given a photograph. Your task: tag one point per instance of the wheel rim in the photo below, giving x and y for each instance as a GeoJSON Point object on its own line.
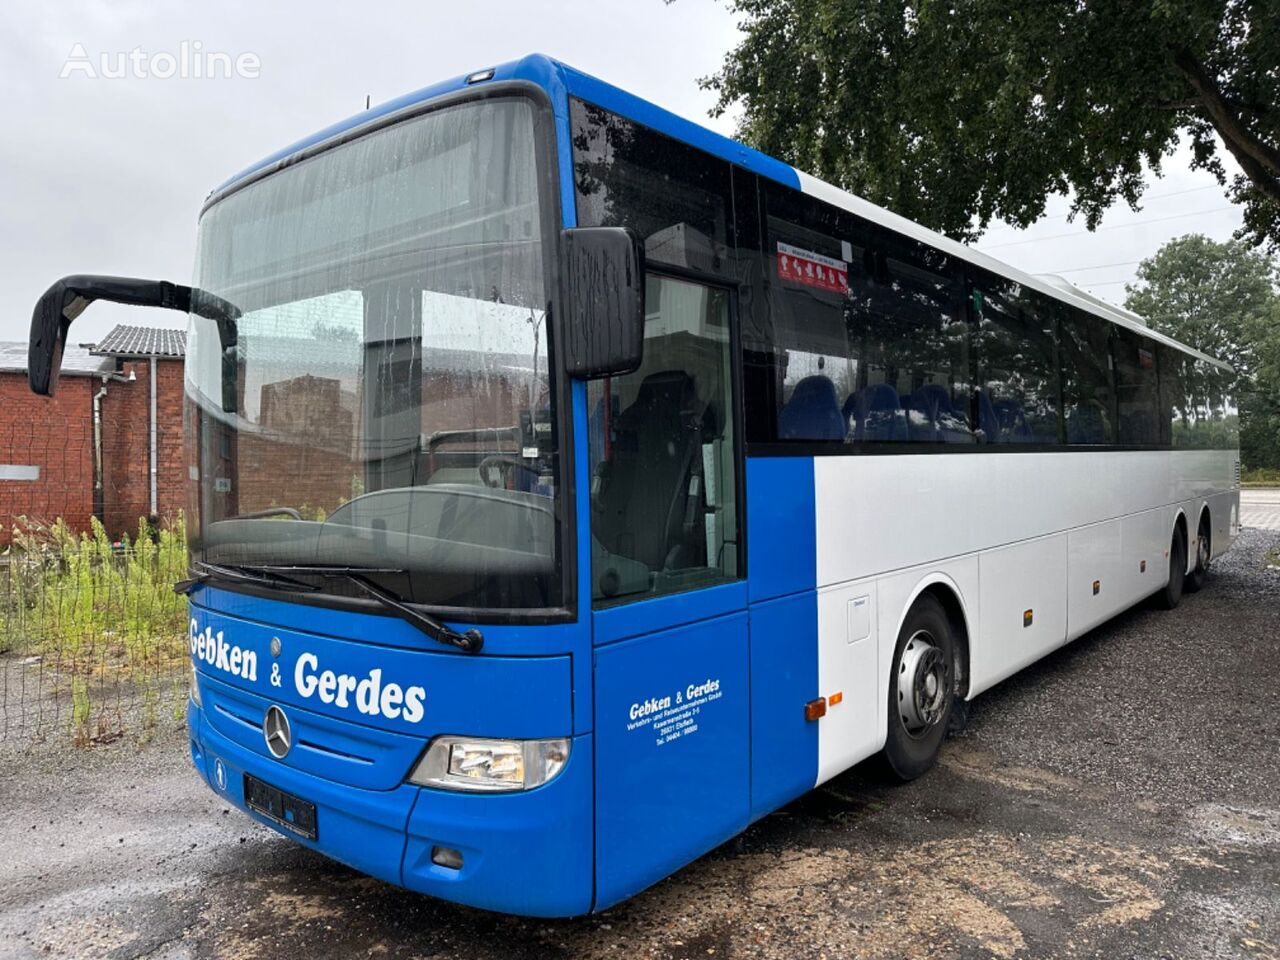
{"type": "Point", "coordinates": [1202, 553]}
{"type": "Point", "coordinates": [924, 677]}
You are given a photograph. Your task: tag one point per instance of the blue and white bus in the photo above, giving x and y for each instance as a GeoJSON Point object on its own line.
{"type": "Point", "coordinates": [571, 486]}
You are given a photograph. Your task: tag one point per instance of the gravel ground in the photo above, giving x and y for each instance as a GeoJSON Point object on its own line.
{"type": "Point", "coordinates": [1120, 799]}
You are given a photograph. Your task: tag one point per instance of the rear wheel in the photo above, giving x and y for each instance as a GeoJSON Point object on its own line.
{"type": "Point", "coordinates": [1171, 595]}
{"type": "Point", "coordinates": [921, 690]}
{"type": "Point", "coordinates": [1197, 577]}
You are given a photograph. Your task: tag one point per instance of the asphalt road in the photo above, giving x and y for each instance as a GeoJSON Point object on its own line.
{"type": "Point", "coordinates": [1260, 507]}
{"type": "Point", "coordinates": [1120, 799]}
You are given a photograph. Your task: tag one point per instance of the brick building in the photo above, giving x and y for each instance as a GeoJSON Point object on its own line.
{"type": "Point", "coordinates": [108, 444]}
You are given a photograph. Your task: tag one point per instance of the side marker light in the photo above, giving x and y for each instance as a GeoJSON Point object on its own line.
{"type": "Point", "coordinates": [1027, 617]}
{"type": "Point", "coordinates": [835, 698]}
{"type": "Point", "coordinates": [815, 709]}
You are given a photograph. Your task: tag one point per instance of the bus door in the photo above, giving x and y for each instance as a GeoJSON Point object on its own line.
{"type": "Point", "coordinates": [668, 596]}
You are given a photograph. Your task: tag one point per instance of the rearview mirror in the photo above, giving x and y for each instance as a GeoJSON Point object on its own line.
{"type": "Point", "coordinates": [67, 299]}
{"type": "Point", "coordinates": [602, 306]}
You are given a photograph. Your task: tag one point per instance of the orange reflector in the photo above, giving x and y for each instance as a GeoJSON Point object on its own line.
{"type": "Point", "coordinates": [1097, 585]}
{"type": "Point", "coordinates": [1026, 618]}
{"type": "Point", "coordinates": [815, 709]}
{"type": "Point", "coordinates": [835, 698]}
{"type": "Point", "coordinates": [1142, 566]}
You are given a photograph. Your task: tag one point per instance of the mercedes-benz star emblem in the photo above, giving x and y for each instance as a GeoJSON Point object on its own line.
{"type": "Point", "coordinates": [275, 728]}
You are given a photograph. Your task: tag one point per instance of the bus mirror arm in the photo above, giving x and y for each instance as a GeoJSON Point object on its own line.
{"type": "Point", "coordinates": [67, 299]}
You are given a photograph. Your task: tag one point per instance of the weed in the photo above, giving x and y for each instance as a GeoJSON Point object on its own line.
{"type": "Point", "coordinates": [100, 616]}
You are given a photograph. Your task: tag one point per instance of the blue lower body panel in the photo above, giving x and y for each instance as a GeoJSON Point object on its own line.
{"type": "Point", "coordinates": [528, 853]}
{"type": "Point", "coordinates": [784, 677]}
{"type": "Point", "coordinates": [365, 829]}
{"type": "Point", "coordinates": [672, 751]}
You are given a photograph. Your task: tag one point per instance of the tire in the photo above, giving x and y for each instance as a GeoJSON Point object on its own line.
{"type": "Point", "coordinates": [921, 690]}
{"type": "Point", "coordinates": [1197, 577]}
{"type": "Point", "coordinates": [1171, 595]}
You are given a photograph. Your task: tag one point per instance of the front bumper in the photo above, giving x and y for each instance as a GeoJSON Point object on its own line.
{"type": "Point", "coordinates": [528, 853]}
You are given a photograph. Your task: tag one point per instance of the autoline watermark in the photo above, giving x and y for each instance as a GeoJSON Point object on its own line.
{"type": "Point", "coordinates": [190, 61]}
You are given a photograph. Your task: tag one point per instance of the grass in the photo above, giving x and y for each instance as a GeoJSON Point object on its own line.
{"type": "Point", "coordinates": [102, 617]}
{"type": "Point", "coordinates": [1260, 477]}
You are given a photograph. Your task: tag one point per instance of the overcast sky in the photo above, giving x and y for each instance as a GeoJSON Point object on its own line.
{"type": "Point", "coordinates": [107, 175]}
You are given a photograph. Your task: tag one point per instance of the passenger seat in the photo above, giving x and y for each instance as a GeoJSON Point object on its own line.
{"type": "Point", "coordinates": [813, 412]}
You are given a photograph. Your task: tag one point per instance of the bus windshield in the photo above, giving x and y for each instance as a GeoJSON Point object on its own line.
{"type": "Point", "coordinates": [384, 403]}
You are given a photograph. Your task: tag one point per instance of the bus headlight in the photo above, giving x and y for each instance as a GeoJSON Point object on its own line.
{"type": "Point", "coordinates": [483, 765]}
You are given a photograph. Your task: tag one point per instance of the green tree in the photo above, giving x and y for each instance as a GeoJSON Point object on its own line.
{"type": "Point", "coordinates": [1222, 299]}
{"type": "Point", "coordinates": [952, 112]}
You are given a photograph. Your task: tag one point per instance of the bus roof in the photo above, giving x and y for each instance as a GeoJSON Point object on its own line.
{"type": "Point", "coordinates": [558, 78]}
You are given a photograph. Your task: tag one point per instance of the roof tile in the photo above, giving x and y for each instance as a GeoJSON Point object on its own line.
{"type": "Point", "coordinates": [130, 341]}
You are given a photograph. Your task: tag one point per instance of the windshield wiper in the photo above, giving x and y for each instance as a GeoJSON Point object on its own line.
{"type": "Point", "coordinates": [469, 642]}
{"type": "Point", "coordinates": [244, 573]}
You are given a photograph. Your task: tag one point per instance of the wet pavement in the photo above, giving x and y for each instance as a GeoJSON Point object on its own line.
{"type": "Point", "coordinates": [1119, 799]}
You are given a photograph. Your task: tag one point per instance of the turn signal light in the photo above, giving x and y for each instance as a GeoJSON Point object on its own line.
{"type": "Point", "coordinates": [815, 709]}
{"type": "Point", "coordinates": [835, 698]}
{"type": "Point", "coordinates": [1097, 587]}
{"type": "Point", "coordinates": [1027, 617]}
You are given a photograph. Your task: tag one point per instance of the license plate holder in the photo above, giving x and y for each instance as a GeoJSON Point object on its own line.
{"type": "Point", "coordinates": [293, 813]}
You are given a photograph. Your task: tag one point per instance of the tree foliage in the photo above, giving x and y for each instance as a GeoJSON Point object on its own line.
{"type": "Point", "coordinates": [954, 112]}
{"type": "Point", "coordinates": [1222, 299]}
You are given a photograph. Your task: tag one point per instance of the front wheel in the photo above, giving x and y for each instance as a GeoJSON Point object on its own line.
{"type": "Point", "coordinates": [1171, 595]}
{"type": "Point", "coordinates": [921, 690]}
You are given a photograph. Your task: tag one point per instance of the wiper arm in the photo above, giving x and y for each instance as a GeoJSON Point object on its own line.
{"type": "Point", "coordinates": [470, 642]}
{"type": "Point", "coordinates": [260, 576]}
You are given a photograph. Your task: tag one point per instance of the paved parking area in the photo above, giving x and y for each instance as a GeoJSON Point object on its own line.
{"type": "Point", "coordinates": [1260, 507]}
{"type": "Point", "coordinates": [1120, 799]}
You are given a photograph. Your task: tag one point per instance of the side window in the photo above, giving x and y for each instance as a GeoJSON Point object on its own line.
{"type": "Point", "coordinates": [807, 270]}
{"type": "Point", "coordinates": [1017, 362]}
{"type": "Point", "coordinates": [664, 514]}
{"type": "Point", "coordinates": [677, 198]}
{"type": "Point", "coordinates": [865, 339]}
{"type": "Point", "coordinates": [1088, 394]}
{"type": "Point", "coordinates": [906, 327]}
{"type": "Point", "coordinates": [1137, 388]}
{"type": "Point", "coordinates": [1175, 422]}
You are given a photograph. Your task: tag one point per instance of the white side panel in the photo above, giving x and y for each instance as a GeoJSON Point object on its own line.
{"type": "Point", "coordinates": [877, 514]}
{"type": "Point", "coordinates": [1005, 533]}
{"type": "Point", "coordinates": [1028, 576]}
{"type": "Point", "coordinates": [847, 665]}
{"type": "Point", "coordinates": [1224, 519]}
{"type": "Point", "coordinates": [1095, 556]}
{"type": "Point", "coordinates": [1146, 539]}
